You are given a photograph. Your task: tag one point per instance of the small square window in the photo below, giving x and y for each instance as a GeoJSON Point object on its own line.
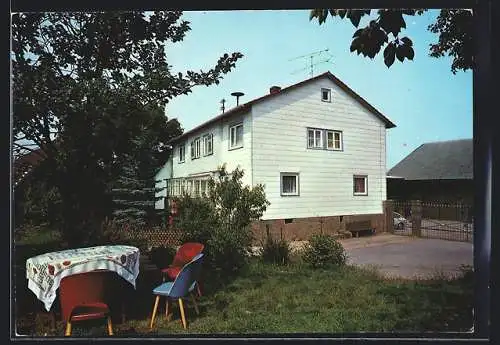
{"type": "Point", "coordinates": [289, 184]}
{"type": "Point", "coordinates": [326, 95]}
{"type": "Point", "coordinates": [360, 185]}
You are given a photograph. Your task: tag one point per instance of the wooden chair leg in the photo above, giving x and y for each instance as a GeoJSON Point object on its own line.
{"type": "Point", "coordinates": [124, 318]}
{"type": "Point", "coordinates": [183, 316]}
{"type": "Point", "coordinates": [198, 287]}
{"type": "Point", "coordinates": [53, 319]}
{"type": "Point", "coordinates": [168, 315]}
{"type": "Point", "coordinates": [110, 326]}
{"type": "Point", "coordinates": [195, 304]}
{"type": "Point", "coordinates": [68, 328]}
{"type": "Point", "coordinates": [154, 311]}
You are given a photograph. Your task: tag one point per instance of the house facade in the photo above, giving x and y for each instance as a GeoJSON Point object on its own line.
{"type": "Point", "coordinates": [317, 147]}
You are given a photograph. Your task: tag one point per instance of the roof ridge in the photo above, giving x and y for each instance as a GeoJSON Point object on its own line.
{"type": "Point", "coordinates": [247, 105]}
{"type": "Point", "coordinates": [431, 161]}
{"type": "Point", "coordinates": [447, 141]}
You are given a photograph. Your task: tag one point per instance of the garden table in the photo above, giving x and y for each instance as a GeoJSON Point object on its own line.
{"type": "Point", "coordinates": [44, 272]}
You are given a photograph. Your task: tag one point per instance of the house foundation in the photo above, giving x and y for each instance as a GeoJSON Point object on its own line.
{"type": "Point", "coordinates": [300, 229]}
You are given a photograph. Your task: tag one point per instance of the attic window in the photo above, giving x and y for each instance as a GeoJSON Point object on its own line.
{"type": "Point", "coordinates": [326, 95]}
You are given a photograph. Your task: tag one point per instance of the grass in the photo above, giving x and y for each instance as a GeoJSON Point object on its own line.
{"type": "Point", "coordinates": [269, 299]}
{"type": "Point", "coordinates": [38, 235]}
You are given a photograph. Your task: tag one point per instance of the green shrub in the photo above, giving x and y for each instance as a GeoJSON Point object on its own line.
{"type": "Point", "coordinates": [221, 220]}
{"type": "Point", "coordinates": [195, 219]}
{"type": "Point", "coordinates": [36, 234]}
{"type": "Point", "coordinates": [114, 232]}
{"type": "Point", "coordinates": [324, 250]}
{"type": "Point", "coordinates": [275, 251]}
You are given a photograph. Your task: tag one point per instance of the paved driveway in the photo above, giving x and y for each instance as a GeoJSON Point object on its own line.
{"type": "Point", "coordinates": [409, 257]}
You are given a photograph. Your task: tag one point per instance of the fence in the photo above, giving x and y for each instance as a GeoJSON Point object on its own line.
{"type": "Point", "coordinates": [448, 221]}
{"type": "Point", "coordinates": [155, 237]}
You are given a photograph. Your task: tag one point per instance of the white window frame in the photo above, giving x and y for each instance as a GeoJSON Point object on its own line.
{"type": "Point", "coordinates": [329, 98]}
{"type": "Point", "coordinates": [182, 157]}
{"type": "Point", "coordinates": [314, 131]}
{"type": "Point", "coordinates": [196, 148]}
{"type": "Point", "coordinates": [297, 181]}
{"type": "Point", "coordinates": [333, 132]}
{"type": "Point", "coordinates": [365, 177]}
{"type": "Point", "coordinates": [233, 131]}
{"type": "Point", "coordinates": [209, 138]}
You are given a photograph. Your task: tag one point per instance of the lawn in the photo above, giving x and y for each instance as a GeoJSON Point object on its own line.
{"type": "Point", "coordinates": [269, 299]}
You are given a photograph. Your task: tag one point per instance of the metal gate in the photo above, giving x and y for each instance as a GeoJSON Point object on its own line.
{"type": "Point", "coordinates": [447, 221]}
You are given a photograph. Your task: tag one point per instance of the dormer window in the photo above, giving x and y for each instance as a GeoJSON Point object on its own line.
{"type": "Point", "coordinates": [326, 95]}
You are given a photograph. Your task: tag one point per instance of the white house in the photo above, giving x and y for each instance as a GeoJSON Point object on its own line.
{"type": "Point", "coordinates": [317, 147]}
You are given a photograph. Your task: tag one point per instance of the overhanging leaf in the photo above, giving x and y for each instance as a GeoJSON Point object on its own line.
{"type": "Point", "coordinates": [355, 17]}
{"type": "Point", "coordinates": [389, 53]}
{"type": "Point", "coordinates": [407, 41]}
{"type": "Point", "coordinates": [411, 53]}
{"type": "Point", "coordinates": [400, 53]}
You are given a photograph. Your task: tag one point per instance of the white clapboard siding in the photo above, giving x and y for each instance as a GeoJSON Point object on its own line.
{"type": "Point", "coordinates": [162, 175]}
{"type": "Point", "coordinates": [221, 153]}
{"type": "Point", "coordinates": [279, 139]}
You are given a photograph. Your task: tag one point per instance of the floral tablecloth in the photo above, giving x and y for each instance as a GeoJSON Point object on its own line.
{"type": "Point", "coordinates": [44, 272]}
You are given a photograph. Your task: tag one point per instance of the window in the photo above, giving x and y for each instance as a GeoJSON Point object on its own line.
{"type": "Point", "coordinates": [360, 185]}
{"type": "Point", "coordinates": [208, 144]}
{"type": "Point", "coordinates": [182, 153]}
{"type": "Point", "coordinates": [204, 187]}
{"type": "Point", "coordinates": [334, 140]}
{"type": "Point", "coordinates": [195, 148]}
{"type": "Point", "coordinates": [236, 136]}
{"type": "Point", "coordinates": [196, 191]}
{"type": "Point", "coordinates": [289, 184]}
{"type": "Point", "coordinates": [326, 95]}
{"type": "Point", "coordinates": [314, 138]}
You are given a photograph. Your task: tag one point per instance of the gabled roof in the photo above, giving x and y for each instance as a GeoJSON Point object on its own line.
{"type": "Point", "coordinates": [24, 164]}
{"type": "Point", "coordinates": [443, 160]}
{"type": "Point", "coordinates": [246, 106]}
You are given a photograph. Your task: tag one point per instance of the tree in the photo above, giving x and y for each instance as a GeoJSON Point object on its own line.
{"type": "Point", "coordinates": [454, 26]}
{"type": "Point", "coordinates": [83, 86]}
{"type": "Point", "coordinates": [135, 188]}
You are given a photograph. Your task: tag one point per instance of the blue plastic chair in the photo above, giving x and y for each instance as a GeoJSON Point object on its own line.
{"type": "Point", "coordinates": [180, 288]}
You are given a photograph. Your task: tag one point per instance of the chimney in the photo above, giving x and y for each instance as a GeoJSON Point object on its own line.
{"type": "Point", "coordinates": [274, 89]}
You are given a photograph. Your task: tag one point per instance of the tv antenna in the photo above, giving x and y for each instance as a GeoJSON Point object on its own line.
{"type": "Point", "coordinates": [311, 57]}
{"type": "Point", "coordinates": [237, 95]}
{"type": "Point", "coordinates": [223, 108]}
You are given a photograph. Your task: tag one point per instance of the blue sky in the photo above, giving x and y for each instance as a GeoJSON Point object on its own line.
{"type": "Point", "coordinates": [422, 97]}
